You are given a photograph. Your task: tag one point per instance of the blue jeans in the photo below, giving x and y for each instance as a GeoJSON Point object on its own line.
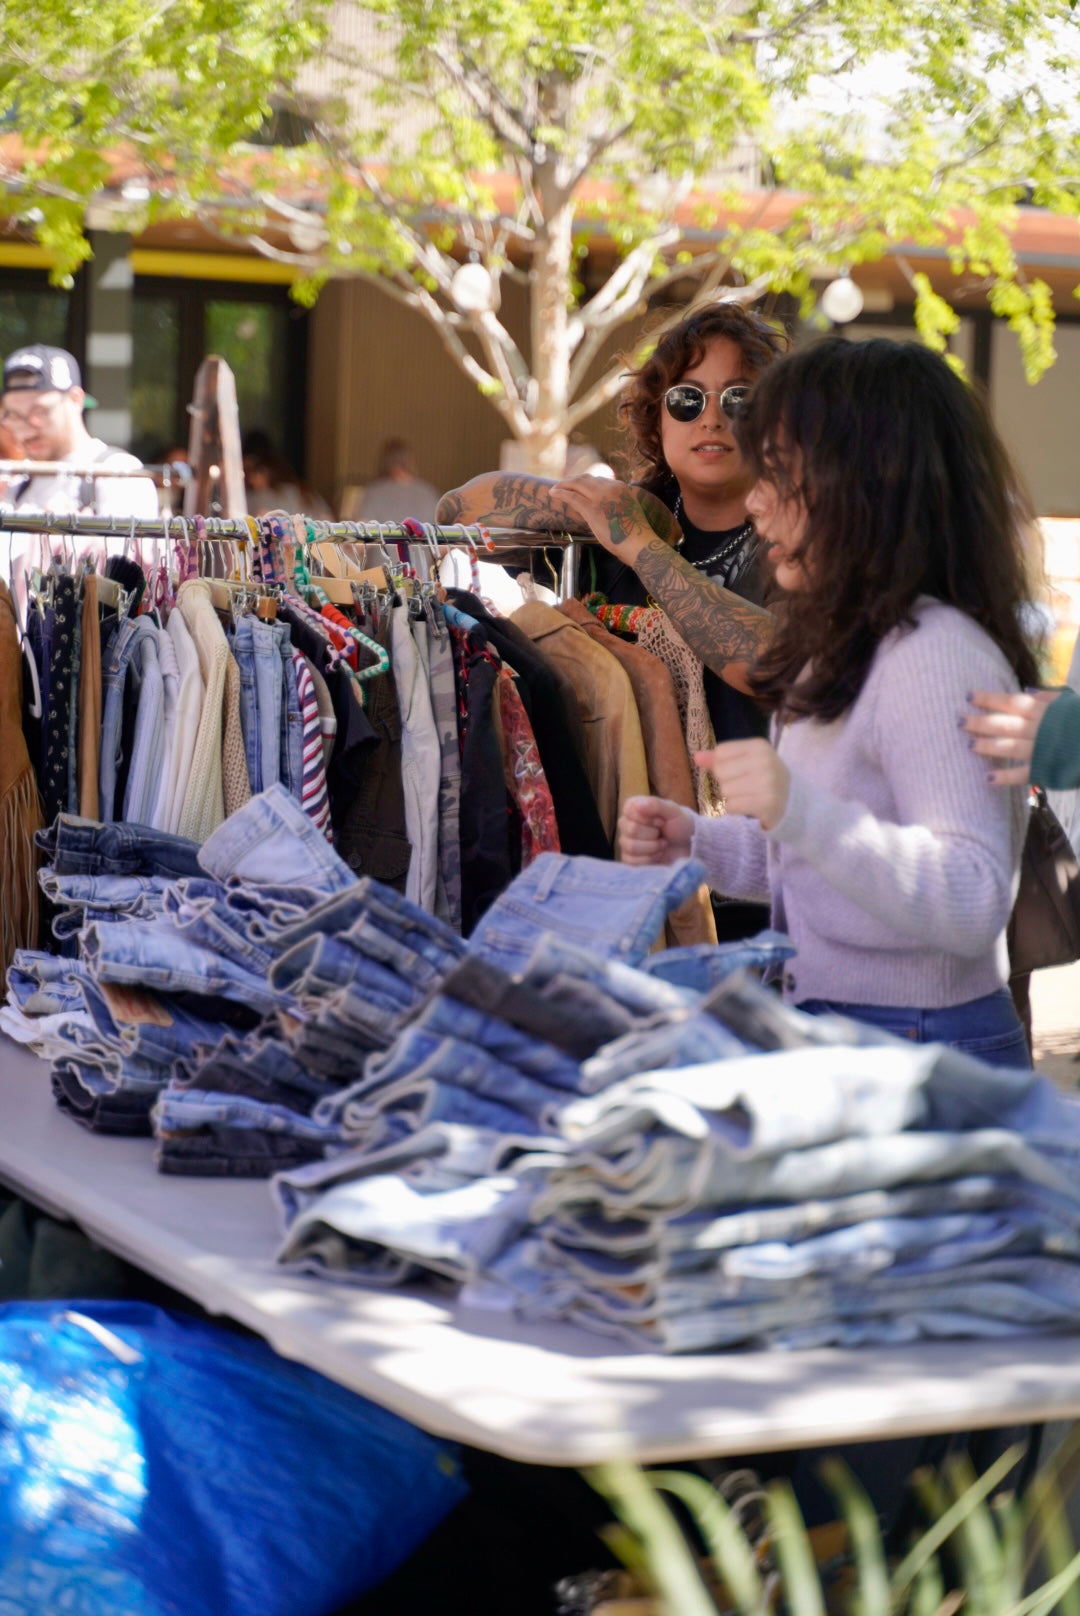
{"type": "Point", "coordinates": [291, 734]}
{"type": "Point", "coordinates": [152, 954]}
{"type": "Point", "coordinates": [84, 847]}
{"type": "Point", "coordinates": [271, 839]}
{"type": "Point", "coordinates": [702, 966]}
{"type": "Point", "coordinates": [987, 1028]}
{"type": "Point", "coordinates": [411, 942]}
{"type": "Point", "coordinates": [610, 910]}
{"type": "Point", "coordinates": [115, 673]}
{"type": "Point", "coordinates": [255, 647]}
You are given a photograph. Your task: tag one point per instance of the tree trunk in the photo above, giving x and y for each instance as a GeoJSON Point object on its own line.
{"type": "Point", "coordinates": [549, 316]}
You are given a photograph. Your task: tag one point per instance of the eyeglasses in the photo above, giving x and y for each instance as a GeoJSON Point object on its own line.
{"type": "Point", "coordinates": [18, 421]}
{"type": "Point", "coordinates": [686, 401]}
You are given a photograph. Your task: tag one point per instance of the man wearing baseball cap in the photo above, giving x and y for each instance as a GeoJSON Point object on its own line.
{"type": "Point", "coordinates": [41, 409]}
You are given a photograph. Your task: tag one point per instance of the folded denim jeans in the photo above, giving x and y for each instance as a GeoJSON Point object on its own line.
{"type": "Point", "coordinates": [84, 847]}
{"type": "Point", "coordinates": [688, 1038]}
{"type": "Point", "coordinates": [392, 914]}
{"type": "Point", "coordinates": [232, 1153]}
{"type": "Point", "coordinates": [45, 984]}
{"type": "Point", "coordinates": [446, 1016]}
{"type": "Point", "coordinates": [152, 954]}
{"type": "Point", "coordinates": [703, 966]}
{"type": "Point", "coordinates": [578, 1028]}
{"type": "Point", "coordinates": [182, 1110]}
{"type": "Point", "coordinates": [422, 1061]}
{"type": "Point", "coordinates": [272, 839]}
{"type": "Point", "coordinates": [606, 910]}
{"type": "Point", "coordinates": [560, 965]}
{"type": "Point", "coordinates": [387, 1226]}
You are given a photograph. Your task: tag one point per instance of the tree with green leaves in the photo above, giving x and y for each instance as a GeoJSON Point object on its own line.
{"type": "Point", "coordinates": [595, 151]}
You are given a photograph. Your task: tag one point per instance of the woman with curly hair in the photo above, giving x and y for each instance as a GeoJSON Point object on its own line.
{"type": "Point", "coordinates": [886, 507]}
{"type": "Point", "coordinates": [700, 558]}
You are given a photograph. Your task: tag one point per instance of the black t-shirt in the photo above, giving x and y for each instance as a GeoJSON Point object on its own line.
{"type": "Point", "coordinates": [730, 555]}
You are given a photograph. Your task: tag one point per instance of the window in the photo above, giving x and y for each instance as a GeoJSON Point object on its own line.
{"type": "Point", "coordinates": [155, 377]}
{"type": "Point", "coordinates": [31, 311]}
{"type": "Point", "coordinates": [258, 330]}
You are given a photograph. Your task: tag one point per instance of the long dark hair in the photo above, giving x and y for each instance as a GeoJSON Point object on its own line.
{"type": "Point", "coordinates": [907, 491]}
{"type": "Point", "coordinates": [678, 351]}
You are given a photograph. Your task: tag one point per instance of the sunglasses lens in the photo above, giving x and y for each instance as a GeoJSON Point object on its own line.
{"type": "Point", "coordinates": [733, 401]}
{"type": "Point", "coordinates": [684, 403]}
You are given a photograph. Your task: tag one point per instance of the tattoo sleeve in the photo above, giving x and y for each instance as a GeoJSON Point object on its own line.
{"type": "Point", "coordinates": [526, 502]}
{"type": "Point", "coordinates": [450, 508]}
{"type": "Point", "coordinates": [513, 499]}
{"type": "Point", "coordinates": [719, 627]}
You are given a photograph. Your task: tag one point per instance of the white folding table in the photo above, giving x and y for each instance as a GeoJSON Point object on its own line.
{"type": "Point", "coordinates": [543, 1394]}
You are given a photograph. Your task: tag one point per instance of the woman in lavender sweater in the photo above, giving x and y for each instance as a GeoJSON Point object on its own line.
{"type": "Point", "coordinates": [885, 502]}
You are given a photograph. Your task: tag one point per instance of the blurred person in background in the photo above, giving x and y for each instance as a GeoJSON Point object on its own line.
{"type": "Point", "coordinates": [41, 413]}
{"type": "Point", "coordinates": [272, 484]}
{"type": "Point", "coordinates": [396, 492]}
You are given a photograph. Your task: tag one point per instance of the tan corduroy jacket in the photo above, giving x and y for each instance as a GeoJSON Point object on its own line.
{"type": "Point", "coordinates": [665, 752]}
{"type": "Point", "coordinates": [614, 746]}
{"type": "Point", "coordinates": [20, 808]}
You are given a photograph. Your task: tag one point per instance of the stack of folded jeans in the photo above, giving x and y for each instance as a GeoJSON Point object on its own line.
{"type": "Point", "coordinates": [177, 944]}
{"type": "Point", "coordinates": [817, 1193]}
{"type": "Point", "coordinates": [727, 1172]}
{"type": "Point", "coordinates": [456, 1125]}
{"type": "Point", "coordinates": [342, 975]}
{"type": "Point", "coordinates": [464, 1058]}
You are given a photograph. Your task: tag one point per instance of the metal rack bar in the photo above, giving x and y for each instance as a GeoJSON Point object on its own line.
{"type": "Point", "coordinates": [235, 530]}
{"type": "Point", "coordinates": [170, 472]}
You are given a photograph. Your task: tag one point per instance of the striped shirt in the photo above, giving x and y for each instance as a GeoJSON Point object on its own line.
{"type": "Point", "coordinates": [314, 798]}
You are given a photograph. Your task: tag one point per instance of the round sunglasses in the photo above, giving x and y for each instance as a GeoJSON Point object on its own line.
{"type": "Point", "coordinates": [686, 401]}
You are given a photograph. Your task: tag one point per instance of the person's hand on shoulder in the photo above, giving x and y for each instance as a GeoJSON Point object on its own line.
{"type": "Point", "coordinates": [1003, 727]}
{"type": "Point", "coordinates": [654, 831]}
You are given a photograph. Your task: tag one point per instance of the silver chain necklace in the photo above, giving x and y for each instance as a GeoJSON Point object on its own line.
{"type": "Point", "coordinates": [725, 550]}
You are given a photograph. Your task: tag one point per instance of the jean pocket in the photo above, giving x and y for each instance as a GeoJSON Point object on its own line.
{"type": "Point", "coordinates": [997, 1048]}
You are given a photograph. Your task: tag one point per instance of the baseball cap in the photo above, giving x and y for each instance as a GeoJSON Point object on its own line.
{"type": "Point", "coordinates": [41, 369]}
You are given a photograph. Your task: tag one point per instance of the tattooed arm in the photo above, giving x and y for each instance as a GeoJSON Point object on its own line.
{"type": "Point", "coordinates": [725, 631]}
{"type": "Point", "coordinates": [537, 504]}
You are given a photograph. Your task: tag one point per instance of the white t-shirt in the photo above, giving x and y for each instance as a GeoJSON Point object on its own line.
{"type": "Point", "coordinates": [64, 495]}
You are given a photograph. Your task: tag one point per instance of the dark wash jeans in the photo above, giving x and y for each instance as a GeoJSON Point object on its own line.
{"type": "Point", "coordinates": [84, 847]}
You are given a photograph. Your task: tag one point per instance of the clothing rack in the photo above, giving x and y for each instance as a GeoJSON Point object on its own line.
{"type": "Point", "coordinates": [238, 531]}
{"type": "Point", "coordinates": [165, 475]}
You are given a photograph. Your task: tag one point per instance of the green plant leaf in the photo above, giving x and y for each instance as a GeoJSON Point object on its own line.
{"type": "Point", "coordinates": [794, 1553]}
{"type": "Point", "coordinates": [1050, 1595]}
{"type": "Point", "coordinates": [947, 1522]}
{"type": "Point", "coordinates": [638, 1505]}
{"type": "Point", "coordinates": [725, 1540]}
{"type": "Point", "coordinates": [867, 1547]}
{"type": "Point", "coordinates": [927, 1589]}
{"type": "Point", "coordinates": [976, 1544]}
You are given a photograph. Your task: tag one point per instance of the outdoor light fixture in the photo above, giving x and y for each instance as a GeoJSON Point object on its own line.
{"type": "Point", "coordinates": [306, 236]}
{"type": "Point", "coordinates": [471, 287]}
{"type": "Point", "coordinates": [842, 300]}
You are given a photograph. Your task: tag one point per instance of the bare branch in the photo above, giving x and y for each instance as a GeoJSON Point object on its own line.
{"type": "Point", "coordinates": [503, 122]}
{"type": "Point", "coordinates": [762, 36]}
{"type": "Point", "coordinates": [601, 393]}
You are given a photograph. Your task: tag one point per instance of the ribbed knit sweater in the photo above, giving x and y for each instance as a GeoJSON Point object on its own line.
{"type": "Point", "coordinates": [895, 865]}
{"type": "Point", "coordinates": [203, 806]}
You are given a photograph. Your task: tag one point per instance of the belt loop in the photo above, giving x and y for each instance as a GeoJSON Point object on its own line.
{"type": "Point", "coordinates": [548, 879]}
